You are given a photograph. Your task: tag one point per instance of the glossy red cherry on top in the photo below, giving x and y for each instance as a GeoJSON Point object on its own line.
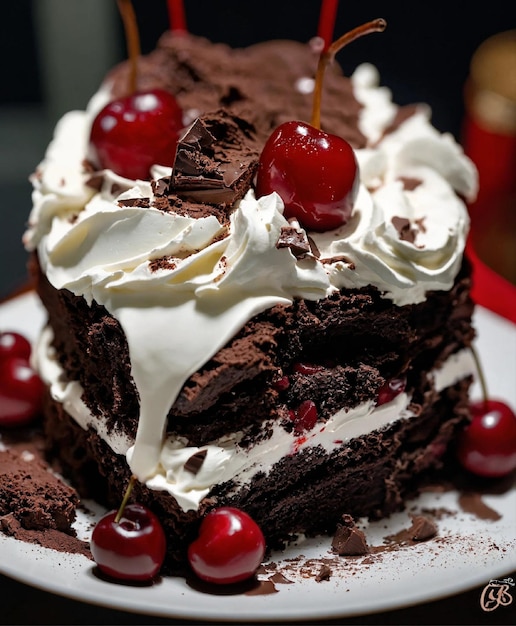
{"type": "Point", "coordinates": [487, 446]}
{"type": "Point", "coordinates": [229, 548]}
{"type": "Point", "coordinates": [131, 134]}
{"type": "Point", "coordinates": [132, 548]}
{"type": "Point", "coordinates": [315, 173]}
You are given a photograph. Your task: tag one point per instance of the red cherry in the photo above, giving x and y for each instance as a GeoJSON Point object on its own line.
{"type": "Point", "coordinates": [306, 368]}
{"type": "Point", "coordinates": [315, 173]}
{"type": "Point", "coordinates": [304, 417]}
{"type": "Point", "coordinates": [14, 344]}
{"type": "Point", "coordinates": [282, 383]}
{"type": "Point", "coordinates": [487, 446]}
{"type": "Point", "coordinates": [131, 134]}
{"type": "Point", "coordinates": [132, 548]}
{"type": "Point", "coordinates": [390, 390]}
{"type": "Point", "coordinates": [229, 548]}
{"type": "Point", "coordinates": [21, 392]}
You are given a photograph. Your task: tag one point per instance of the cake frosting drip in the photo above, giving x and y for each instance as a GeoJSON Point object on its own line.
{"type": "Point", "coordinates": [183, 270]}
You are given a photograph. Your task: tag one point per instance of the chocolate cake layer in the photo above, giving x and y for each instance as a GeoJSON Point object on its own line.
{"type": "Point", "coordinates": [355, 339]}
{"type": "Point", "coordinates": [353, 342]}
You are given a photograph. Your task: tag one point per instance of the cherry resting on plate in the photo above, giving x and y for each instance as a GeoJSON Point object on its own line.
{"type": "Point", "coordinates": [229, 549]}
{"type": "Point", "coordinates": [131, 547]}
{"type": "Point", "coordinates": [131, 134]}
{"type": "Point", "coordinates": [487, 446]}
{"type": "Point", "coordinates": [21, 389]}
{"type": "Point", "coordinates": [315, 173]}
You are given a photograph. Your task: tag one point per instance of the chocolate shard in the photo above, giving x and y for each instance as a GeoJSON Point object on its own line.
{"type": "Point", "coordinates": [194, 463]}
{"type": "Point", "coordinates": [216, 160]}
{"type": "Point", "coordinates": [405, 230]}
{"type": "Point", "coordinates": [323, 574]}
{"type": "Point", "coordinates": [348, 539]}
{"type": "Point", "coordinates": [295, 239]}
{"type": "Point", "coordinates": [422, 528]}
{"type": "Point", "coordinates": [135, 202]}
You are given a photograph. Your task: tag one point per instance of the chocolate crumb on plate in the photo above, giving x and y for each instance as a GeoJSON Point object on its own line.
{"type": "Point", "coordinates": [348, 539]}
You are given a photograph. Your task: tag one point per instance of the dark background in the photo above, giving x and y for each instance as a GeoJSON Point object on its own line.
{"type": "Point", "coordinates": [423, 55]}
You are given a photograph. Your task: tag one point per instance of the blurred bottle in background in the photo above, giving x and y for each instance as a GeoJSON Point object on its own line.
{"type": "Point", "coordinates": [489, 139]}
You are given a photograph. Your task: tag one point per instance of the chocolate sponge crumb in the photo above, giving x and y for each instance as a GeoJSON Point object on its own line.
{"type": "Point", "coordinates": [36, 505]}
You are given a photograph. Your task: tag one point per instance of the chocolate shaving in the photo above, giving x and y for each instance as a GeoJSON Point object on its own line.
{"type": "Point", "coordinates": [95, 181]}
{"type": "Point", "coordinates": [294, 239]}
{"type": "Point", "coordinates": [117, 188]}
{"type": "Point", "coordinates": [195, 462]}
{"type": "Point", "coordinates": [405, 230]}
{"type": "Point", "coordinates": [341, 258]}
{"type": "Point", "coordinates": [138, 202]}
{"type": "Point", "coordinates": [410, 183]}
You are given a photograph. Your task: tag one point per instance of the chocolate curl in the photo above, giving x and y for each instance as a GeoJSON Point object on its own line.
{"type": "Point", "coordinates": [176, 16]}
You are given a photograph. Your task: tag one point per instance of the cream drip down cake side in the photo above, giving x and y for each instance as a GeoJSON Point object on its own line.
{"type": "Point", "coordinates": [223, 353]}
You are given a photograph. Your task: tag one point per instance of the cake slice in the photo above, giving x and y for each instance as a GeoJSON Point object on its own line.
{"type": "Point", "coordinates": [225, 355]}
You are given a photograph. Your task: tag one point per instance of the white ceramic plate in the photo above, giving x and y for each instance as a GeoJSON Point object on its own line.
{"type": "Point", "coordinates": [468, 551]}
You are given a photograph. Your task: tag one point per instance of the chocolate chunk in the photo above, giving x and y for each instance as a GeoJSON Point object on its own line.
{"type": "Point", "coordinates": [294, 239]}
{"type": "Point", "coordinates": [348, 539]}
{"type": "Point", "coordinates": [324, 573]}
{"type": "Point", "coordinates": [139, 202]}
{"type": "Point", "coordinates": [195, 462]}
{"type": "Point", "coordinates": [216, 160]}
{"type": "Point", "coordinates": [422, 528]}
{"type": "Point", "coordinates": [95, 181]}
{"type": "Point", "coordinates": [160, 186]}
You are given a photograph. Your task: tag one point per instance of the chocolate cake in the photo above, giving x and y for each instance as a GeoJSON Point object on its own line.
{"type": "Point", "coordinates": [223, 354]}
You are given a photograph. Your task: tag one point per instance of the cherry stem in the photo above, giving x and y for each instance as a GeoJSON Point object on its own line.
{"type": "Point", "coordinates": [480, 372]}
{"type": "Point", "coordinates": [127, 494]}
{"type": "Point", "coordinates": [133, 39]}
{"type": "Point", "coordinates": [374, 26]}
{"type": "Point", "coordinates": [327, 21]}
{"type": "Point", "coordinates": [176, 16]}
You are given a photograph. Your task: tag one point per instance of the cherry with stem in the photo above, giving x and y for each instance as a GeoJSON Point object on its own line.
{"type": "Point", "coordinates": [487, 446]}
{"type": "Point", "coordinates": [133, 133]}
{"type": "Point", "coordinates": [129, 543]}
{"type": "Point", "coordinates": [315, 173]}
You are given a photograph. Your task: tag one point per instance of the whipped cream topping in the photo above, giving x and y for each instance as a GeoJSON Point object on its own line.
{"type": "Point", "coordinates": [405, 239]}
{"type": "Point", "coordinates": [224, 459]}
